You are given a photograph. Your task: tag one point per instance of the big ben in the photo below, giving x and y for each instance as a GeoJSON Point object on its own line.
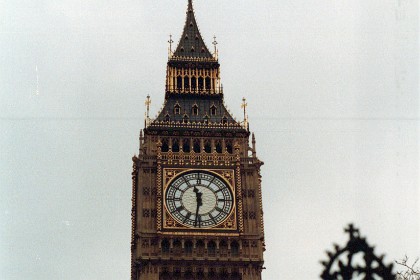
{"type": "Point", "coordinates": [196, 193]}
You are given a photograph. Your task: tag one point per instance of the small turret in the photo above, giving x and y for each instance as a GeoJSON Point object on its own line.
{"type": "Point", "coordinates": [254, 150]}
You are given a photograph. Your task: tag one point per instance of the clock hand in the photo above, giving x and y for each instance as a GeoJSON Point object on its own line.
{"type": "Point", "coordinates": [196, 216]}
{"type": "Point", "coordinates": [198, 196]}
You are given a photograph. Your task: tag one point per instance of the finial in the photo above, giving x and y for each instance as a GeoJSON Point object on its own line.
{"type": "Point", "coordinates": [254, 150]}
{"type": "Point", "coordinates": [244, 105]}
{"type": "Point", "coordinates": [170, 41]}
{"type": "Point", "coordinates": [147, 103]}
{"type": "Point", "coordinates": [352, 231]}
{"type": "Point", "coordinates": [215, 46]}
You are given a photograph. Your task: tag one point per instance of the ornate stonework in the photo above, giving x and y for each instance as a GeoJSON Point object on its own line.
{"type": "Point", "coordinates": [196, 189]}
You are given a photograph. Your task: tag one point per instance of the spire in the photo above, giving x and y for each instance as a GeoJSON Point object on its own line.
{"type": "Point", "coordinates": [191, 44]}
{"type": "Point", "coordinates": [254, 150]}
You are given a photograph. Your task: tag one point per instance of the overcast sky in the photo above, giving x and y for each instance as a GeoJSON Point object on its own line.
{"type": "Point", "coordinates": [333, 95]}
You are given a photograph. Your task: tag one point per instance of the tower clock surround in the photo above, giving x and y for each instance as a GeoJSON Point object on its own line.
{"type": "Point", "coordinates": [196, 183]}
{"type": "Point", "coordinates": [199, 199]}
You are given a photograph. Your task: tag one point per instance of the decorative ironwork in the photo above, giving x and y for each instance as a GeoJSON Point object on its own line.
{"type": "Point", "coordinates": [215, 55]}
{"type": "Point", "coordinates": [170, 41]}
{"type": "Point", "coordinates": [171, 89]}
{"type": "Point", "coordinates": [355, 261]}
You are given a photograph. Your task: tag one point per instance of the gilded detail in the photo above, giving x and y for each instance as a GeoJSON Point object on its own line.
{"type": "Point", "coordinates": [170, 223]}
{"type": "Point", "coordinates": [196, 190]}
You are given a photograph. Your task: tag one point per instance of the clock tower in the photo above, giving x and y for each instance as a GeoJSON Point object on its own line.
{"type": "Point", "coordinates": [196, 193]}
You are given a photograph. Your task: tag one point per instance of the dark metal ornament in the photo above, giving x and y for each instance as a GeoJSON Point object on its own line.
{"type": "Point", "coordinates": [355, 261]}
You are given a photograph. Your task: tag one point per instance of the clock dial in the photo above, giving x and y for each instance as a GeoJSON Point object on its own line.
{"type": "Point", "coordinates": [199, 199]}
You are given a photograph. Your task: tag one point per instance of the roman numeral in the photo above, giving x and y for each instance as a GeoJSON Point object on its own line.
{"type": "Point", "coordinates": [188, 183]}
{"type": "Point", "coordinates": [211, 181]}
{"type": "Point", "coordinates": [212, 218]}
{"type": "Point", "coordinates": [187, 217]}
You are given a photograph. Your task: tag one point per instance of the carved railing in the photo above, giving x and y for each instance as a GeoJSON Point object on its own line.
{"type": "Point", "coordinates": [193, 158]}
{"type": "Point", "coordinates": [150, 123]}
{"type": "Point", "coordinates": [196, 253]}
{"type": "Point", "coordinates": [198, 158]}
{"type": "Point", "coordinates": [342, 265]}
{"type": "Point", "coordinates": [195, 90]}
{"type": "Point", "coordinates": [192, 59]}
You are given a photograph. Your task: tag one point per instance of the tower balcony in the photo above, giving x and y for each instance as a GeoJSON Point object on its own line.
{"type": "Point", "coordinates": [194, 90]}
{"type": "Point", "coordinates": [198, 158]}
{"type": "Point", "coordinates": [203, 250]}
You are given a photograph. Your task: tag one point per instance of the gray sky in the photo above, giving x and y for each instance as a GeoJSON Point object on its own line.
{"type": "Point", "coordinates": [332, 88]}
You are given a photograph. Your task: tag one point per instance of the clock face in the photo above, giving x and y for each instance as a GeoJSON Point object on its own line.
{"type": "Point", "coordinates": [199, 199]}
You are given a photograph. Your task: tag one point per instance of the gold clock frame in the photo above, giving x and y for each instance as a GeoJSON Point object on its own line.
{"type": "Point", "coordinates": [228, 226]}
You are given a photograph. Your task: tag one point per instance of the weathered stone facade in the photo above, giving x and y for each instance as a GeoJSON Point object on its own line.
{"type": "Point", "coordinates": [195, 133]}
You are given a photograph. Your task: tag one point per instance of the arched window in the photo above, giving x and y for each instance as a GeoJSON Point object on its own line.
{"type": "Point", "coordinates": [219, 147]}
{"type": "Point", "coordinates": [229, 147]}
{"type": "Point", "coordinates": [224, 120]}
{"type": "Point", "coordinates": [165, 145]}
{"type": "Point", "coordinates": [176, 274]}
{"type": "Point", "coordinates": [208, 83]}
{"type": "Point", "coordinates": [223, 246]}
{"type": "Point", "coordinates": [175, 145]}
{"type": "Point", "coordinates": [188, 275]}
{"type": "Point", "coordinates": [165, 275]}
{"type": "Point", "coordinates": [165, 246]}
{"type": "Point", "coordinates": [200, 83]}
{"type": "Point", "coordinates": [167, 118]}
{"type": "Point", "coordinates": [185, 118]}
{"type": "Point", "coordinates": [195, 110]}
{"type": "Point", "coordinates": [212, 274]}
{"type": "Point", "coordinates": [186, 145]}
{"type": "Point", "coordinates": [200, 274]}
{"type": "Point", "coordinates": [192, 49]}
{"type": "Point", "coordinates": [234, 249]}
{"type": "Point", "coordinates": [186, 83]}
{"type": "Point", "coordinates": [196, 146]}
{"type": "Point", "coordinates": [193, 83]}
{"type": "Point", "coordinates": [177, 247]}
{"type": "Point", "coordinates": [177, 109]}
{"type": "Point", "coordinates": [200, 247]}
{"type": "Point", "coordinates": [188, 245]}
{"type": "Point", "coordinates": [213, 110]}
{"type": "Point", "coordinates": [207, 146]}
{"type": "Point", "coordinates": [206, 119]}
{"type": "Point", "coordinates": [179, 82]}
{"type": "Point", "coordinates": [211, 248]}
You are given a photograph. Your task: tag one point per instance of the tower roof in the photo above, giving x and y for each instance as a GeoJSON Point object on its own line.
{"type": "Point", "coordinates": [191, 44]}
